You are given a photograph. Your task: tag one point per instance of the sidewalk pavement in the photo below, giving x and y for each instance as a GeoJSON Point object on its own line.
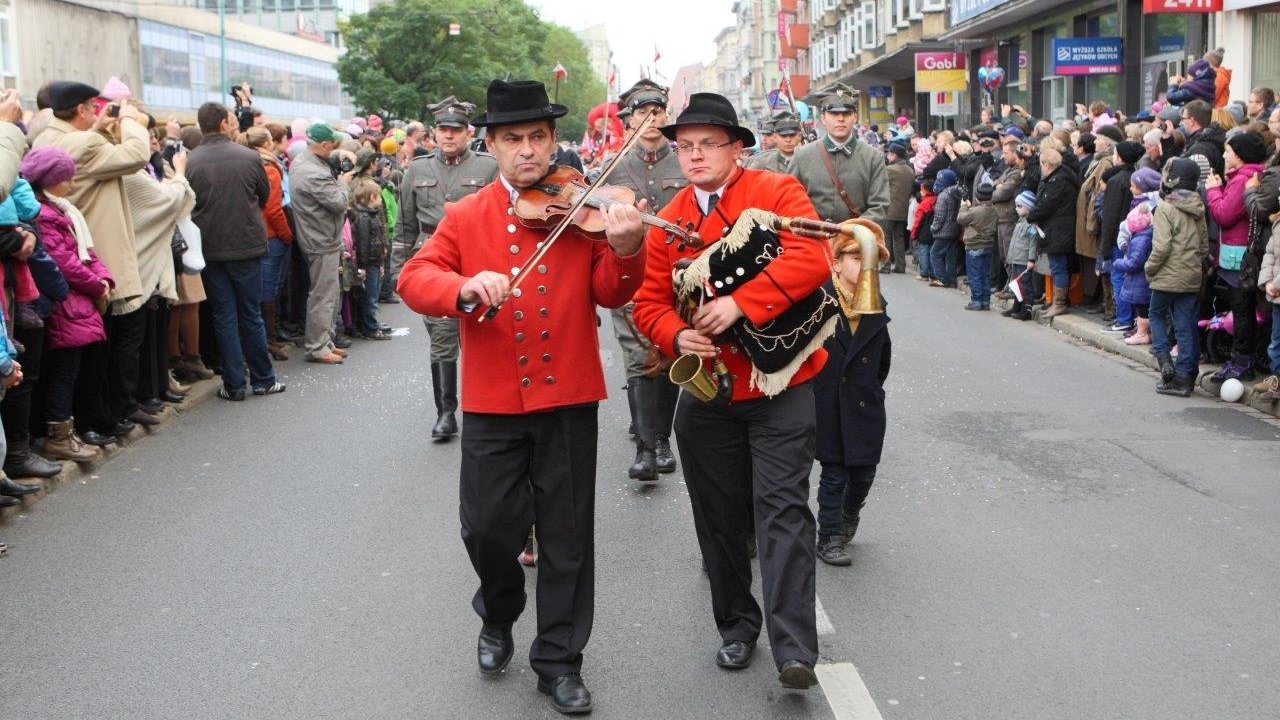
{"type": "Point", "coordinates": [73, 472]}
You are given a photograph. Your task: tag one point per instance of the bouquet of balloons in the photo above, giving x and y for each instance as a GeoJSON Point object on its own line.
{"type": "Point", "coordinates": [991, 77]}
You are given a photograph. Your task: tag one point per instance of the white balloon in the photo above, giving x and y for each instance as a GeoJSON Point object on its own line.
{"type": "Point", "coordinates": [1232, 390]}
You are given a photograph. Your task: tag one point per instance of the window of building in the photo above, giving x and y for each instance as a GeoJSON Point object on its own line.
{"type": "Point", "coordinates": [935, 5]}
{"type": "Point", "coordinates": [867, 26]}
{"type": "Point", "coordinates": [1053, 88]}
{"type": "Point", "coordinates": [849, 37]}
{"type": "Point", "coordinates": [1266, 51]}
{"type": "Point", "coordinates": [892, 11]}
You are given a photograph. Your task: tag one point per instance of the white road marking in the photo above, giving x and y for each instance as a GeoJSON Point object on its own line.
{"type": "Point", "coordinates": [824, 623]}
{"type": "Point", "coordinates": [846, 693]}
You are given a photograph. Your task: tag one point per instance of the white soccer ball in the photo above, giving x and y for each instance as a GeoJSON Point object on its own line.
{"type": "Point", "coordinates": [1232, 390]}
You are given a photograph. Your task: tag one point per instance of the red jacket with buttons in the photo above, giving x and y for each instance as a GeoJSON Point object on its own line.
{"type": "Point", "coordinates": [803, 267]}
{"type": "Point", "coordinates": [542, 350]}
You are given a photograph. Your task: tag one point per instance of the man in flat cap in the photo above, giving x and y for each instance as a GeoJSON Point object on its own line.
{"type": "Point", "coordinates": [533, 383]}
{"type": "Point", "coordinates": [446, 175]}
{"type": "Point", "coordinates": [653, 173]}
{"type": "Point", "coordinates": [786, 138]}
{"type": "Point", "coordinates": [845, 178]}
{"type": "Point", "coordinates": [101, 166]}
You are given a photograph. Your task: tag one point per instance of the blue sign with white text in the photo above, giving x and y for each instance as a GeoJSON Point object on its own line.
{"type": "Point", "coordinates": [880, 91]}
{"type": "Point", "coordinates": [1088, 56]}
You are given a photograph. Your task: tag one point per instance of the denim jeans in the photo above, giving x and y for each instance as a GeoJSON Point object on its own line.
{"type": "Point", "coordinates": [978, 267]}
{"type": "Point", "coordinates": [944, 264]}
{"type": "Point", "coordinates": [1273, 350]}
{"type": "Point", "coordinates": [924, 253]}
{"type": "Point", "coordinates": [368, 310]}
{"type": "Point", "coordinates": [840, 487]}
{"type": "Point", "coordinates": [234, 288]}
{"type": "Point", "coordinates": [1059, 268]}
{"type": "Point", "coordinates": [274, 265]}
{"type": "Point", "coordinates": [1180, 310]}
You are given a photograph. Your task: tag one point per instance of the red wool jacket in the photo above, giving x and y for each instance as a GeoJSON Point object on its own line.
{"type": "Point", "coordinates": [542, 350]}
{"type": "Point", "coordinates": [802, 268]}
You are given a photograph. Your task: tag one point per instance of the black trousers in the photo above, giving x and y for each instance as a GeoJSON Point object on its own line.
{"type": "Point", "coordinates": [16, 408]}
{"type": "Point", "coordinates": [125, 334]}
{"type": "Point", "coordinates": [1244, 305]}
{"type": "Point", "coordinates": [755, 456]}
{"type": "Point", "coordinates": [61, 367]}
{"type": "Point", "coordinates": [153, 356]}
{"type": "Point", "coordinates": [90, 403]}
{"type": "Point", "coordinates": [518, 470]}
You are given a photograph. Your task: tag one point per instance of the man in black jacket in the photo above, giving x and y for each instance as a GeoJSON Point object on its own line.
{"type": "Point", "coordinates": [1204, 137]}
{"type": "Point", "coordinates": [231, 189]}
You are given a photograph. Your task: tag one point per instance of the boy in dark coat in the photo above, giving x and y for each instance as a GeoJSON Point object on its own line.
{"type": "Point", "coordinates": [849, 403]}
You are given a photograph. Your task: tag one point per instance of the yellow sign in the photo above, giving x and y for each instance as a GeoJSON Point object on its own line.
{"type": "Point", "coordinates": [941, 72]}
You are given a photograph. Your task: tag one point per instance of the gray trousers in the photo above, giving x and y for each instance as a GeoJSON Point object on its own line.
{"type": "Point", "coordinates": [444, 338]}
{"type": "Point", "coordinates": [895, 234]}
{"type": "Point", "coordinates": [633, 353]}
{"type": "Point", "coordinates": [322, 302]}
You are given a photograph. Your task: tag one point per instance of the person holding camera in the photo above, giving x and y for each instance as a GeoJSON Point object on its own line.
{"type": "Point", "coordinates": [318, 184]}
{"type": "Point", "coordinates": [101, 166]}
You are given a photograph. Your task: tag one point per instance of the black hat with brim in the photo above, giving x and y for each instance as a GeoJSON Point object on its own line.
{"type": "Point", "coordinates": [67, 94]}
{"type": "Point", "coordinates": [513, 103]}
{"type": "Point", "coordinates": [710, 109]}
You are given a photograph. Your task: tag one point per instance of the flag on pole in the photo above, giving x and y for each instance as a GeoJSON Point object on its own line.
{"type": "Point", "coordinates": [613, 75]}
{"type": "Point", "coordinates": [656, 54]}
{"type": "Point", "coordinates": [1015, 286]}
{"type": "Point", "coordinates": [560, 72]}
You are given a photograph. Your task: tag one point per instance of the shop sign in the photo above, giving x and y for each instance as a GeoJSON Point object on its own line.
{"type": "Point", "coordinates": [1181, 6]}
{"type": "Point", "coordinates": [944, 104]}
{"type": "Point", "coordinates": [940, 72]}
{"type": "Point", "coordinates": [880, 91]}
{"type": "Point", "coordinates": [962, 10]}
{"type": "Point", "coordinates": [1170, 44]}
{"type": "Point", "coordinates": [1088, 56]}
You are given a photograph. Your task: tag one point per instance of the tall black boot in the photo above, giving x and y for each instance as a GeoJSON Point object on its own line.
{"type": "Point", "coordinates": [644, 468]}
{"type": "Point", "coordinates": [446, 401]}
{"type": "Point", "coordinates": [631, 406]}
{"type": "Point", "coordinates": [667, 392]}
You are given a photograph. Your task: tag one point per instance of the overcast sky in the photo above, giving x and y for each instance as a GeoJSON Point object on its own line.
{"type": "Point", "coordinates": [683, 30]}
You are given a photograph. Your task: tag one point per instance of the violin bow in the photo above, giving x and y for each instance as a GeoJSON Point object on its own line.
{"type": "Point", "coordinates": [567, 220]}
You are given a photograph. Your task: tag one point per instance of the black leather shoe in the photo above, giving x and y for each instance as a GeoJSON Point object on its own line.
{"type": "Point", "coordinates": [340, 341]}
{"type": "Point", "coordinates": [6, 501]}
{"type": "Point", "coordinates": [151, 406]}
{"type": "Point", "coordinates": [143, 418]}
{"type": "Point", "coordinates": [15, 489]}
{"type": "Point", "coordinates": [735, 655]}
{"type": "Point", "coordinates": [569, 695]}
{"type": "Point", "coordinates": [663, 459]}
{"type": "Point", "coordinates": [796, 675]}
{"type": "Point", "coordinates": [172, 397]}
{"type": "Point", "coordinates": [122, 428]}
{"type": "Point", "coordinates": [31, 465]}
{"type": "Point", "coordinates": [494, 648]}
{"type": "Point", "coordinates": [93, 437]}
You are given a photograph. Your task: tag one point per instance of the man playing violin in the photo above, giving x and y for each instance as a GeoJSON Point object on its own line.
{"type": "Point", "coordinates": [531, 380]}
{"type": "Point", "coordinates": [756, 452]}
{"type": "Point", "coordinates": [653, 173]}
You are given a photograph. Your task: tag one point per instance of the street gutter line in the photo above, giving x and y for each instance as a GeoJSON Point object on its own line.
{"type": "Point", "coordinates": [823, 622]}
{"type": "Point", "coordinates": [846, 693]}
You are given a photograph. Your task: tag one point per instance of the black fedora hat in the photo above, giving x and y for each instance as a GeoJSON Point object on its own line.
{"type": "Point", "coordinates": [520, 101]}
{"type": "Point", "coordinates": [710, 109]}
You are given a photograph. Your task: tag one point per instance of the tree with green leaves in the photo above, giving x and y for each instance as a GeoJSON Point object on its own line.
{"type": "Point", "coordinates": [400, 57]}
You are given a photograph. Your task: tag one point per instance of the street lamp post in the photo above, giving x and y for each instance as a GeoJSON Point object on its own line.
{"type": "Point", "coordinates": [222, 46]}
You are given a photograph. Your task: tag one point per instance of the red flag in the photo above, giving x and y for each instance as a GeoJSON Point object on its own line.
{"type": "Point", "coordinates": [613, 75]}
{"type": "Point", "coordinates": [560, 72]}
{"type": "Point", "coordinates": [656, 55]}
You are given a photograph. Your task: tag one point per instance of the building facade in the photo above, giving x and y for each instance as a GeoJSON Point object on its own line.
{"type": "Point", "coordinates": [596, 40]}
{"type": "Point", "coordinates": [170, 57]}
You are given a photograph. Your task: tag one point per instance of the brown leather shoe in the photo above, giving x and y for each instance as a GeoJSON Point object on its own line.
{"type": "Point", "coordinates": [340, 352]}
{"type": "Point", "coordinates": [330, 359]}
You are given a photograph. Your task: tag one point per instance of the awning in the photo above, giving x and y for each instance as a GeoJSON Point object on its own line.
{"type": "Point", "coordinates": [1002, 17]}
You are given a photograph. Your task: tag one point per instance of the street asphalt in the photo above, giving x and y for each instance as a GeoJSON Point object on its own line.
{"type": "Point", "coordinates": [1048, 538]}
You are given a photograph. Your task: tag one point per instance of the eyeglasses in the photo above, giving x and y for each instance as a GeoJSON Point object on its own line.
{"type": "Point", "coordinates": [705, 147]}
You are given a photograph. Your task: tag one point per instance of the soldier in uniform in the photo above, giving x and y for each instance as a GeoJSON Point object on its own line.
{"type": "Point", "coordinates": [766, 136]}
{"type": "Point", "coordinates": [446, 175]}
{"type": "Point", "coordinates": [653, 173]}
{"type": "Point", "coordinates": [842, 162]}
{"type": "Point", "coordinates": [786, 138]}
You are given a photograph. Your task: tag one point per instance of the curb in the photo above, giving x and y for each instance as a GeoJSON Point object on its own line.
{"type": "Point", "coordinates": [72, 472]}
{"type": "Point", "coordinates": [1082, 328]}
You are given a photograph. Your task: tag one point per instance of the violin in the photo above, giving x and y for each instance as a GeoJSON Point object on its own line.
{"type": "Point", "coordinates": [547, 202]}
